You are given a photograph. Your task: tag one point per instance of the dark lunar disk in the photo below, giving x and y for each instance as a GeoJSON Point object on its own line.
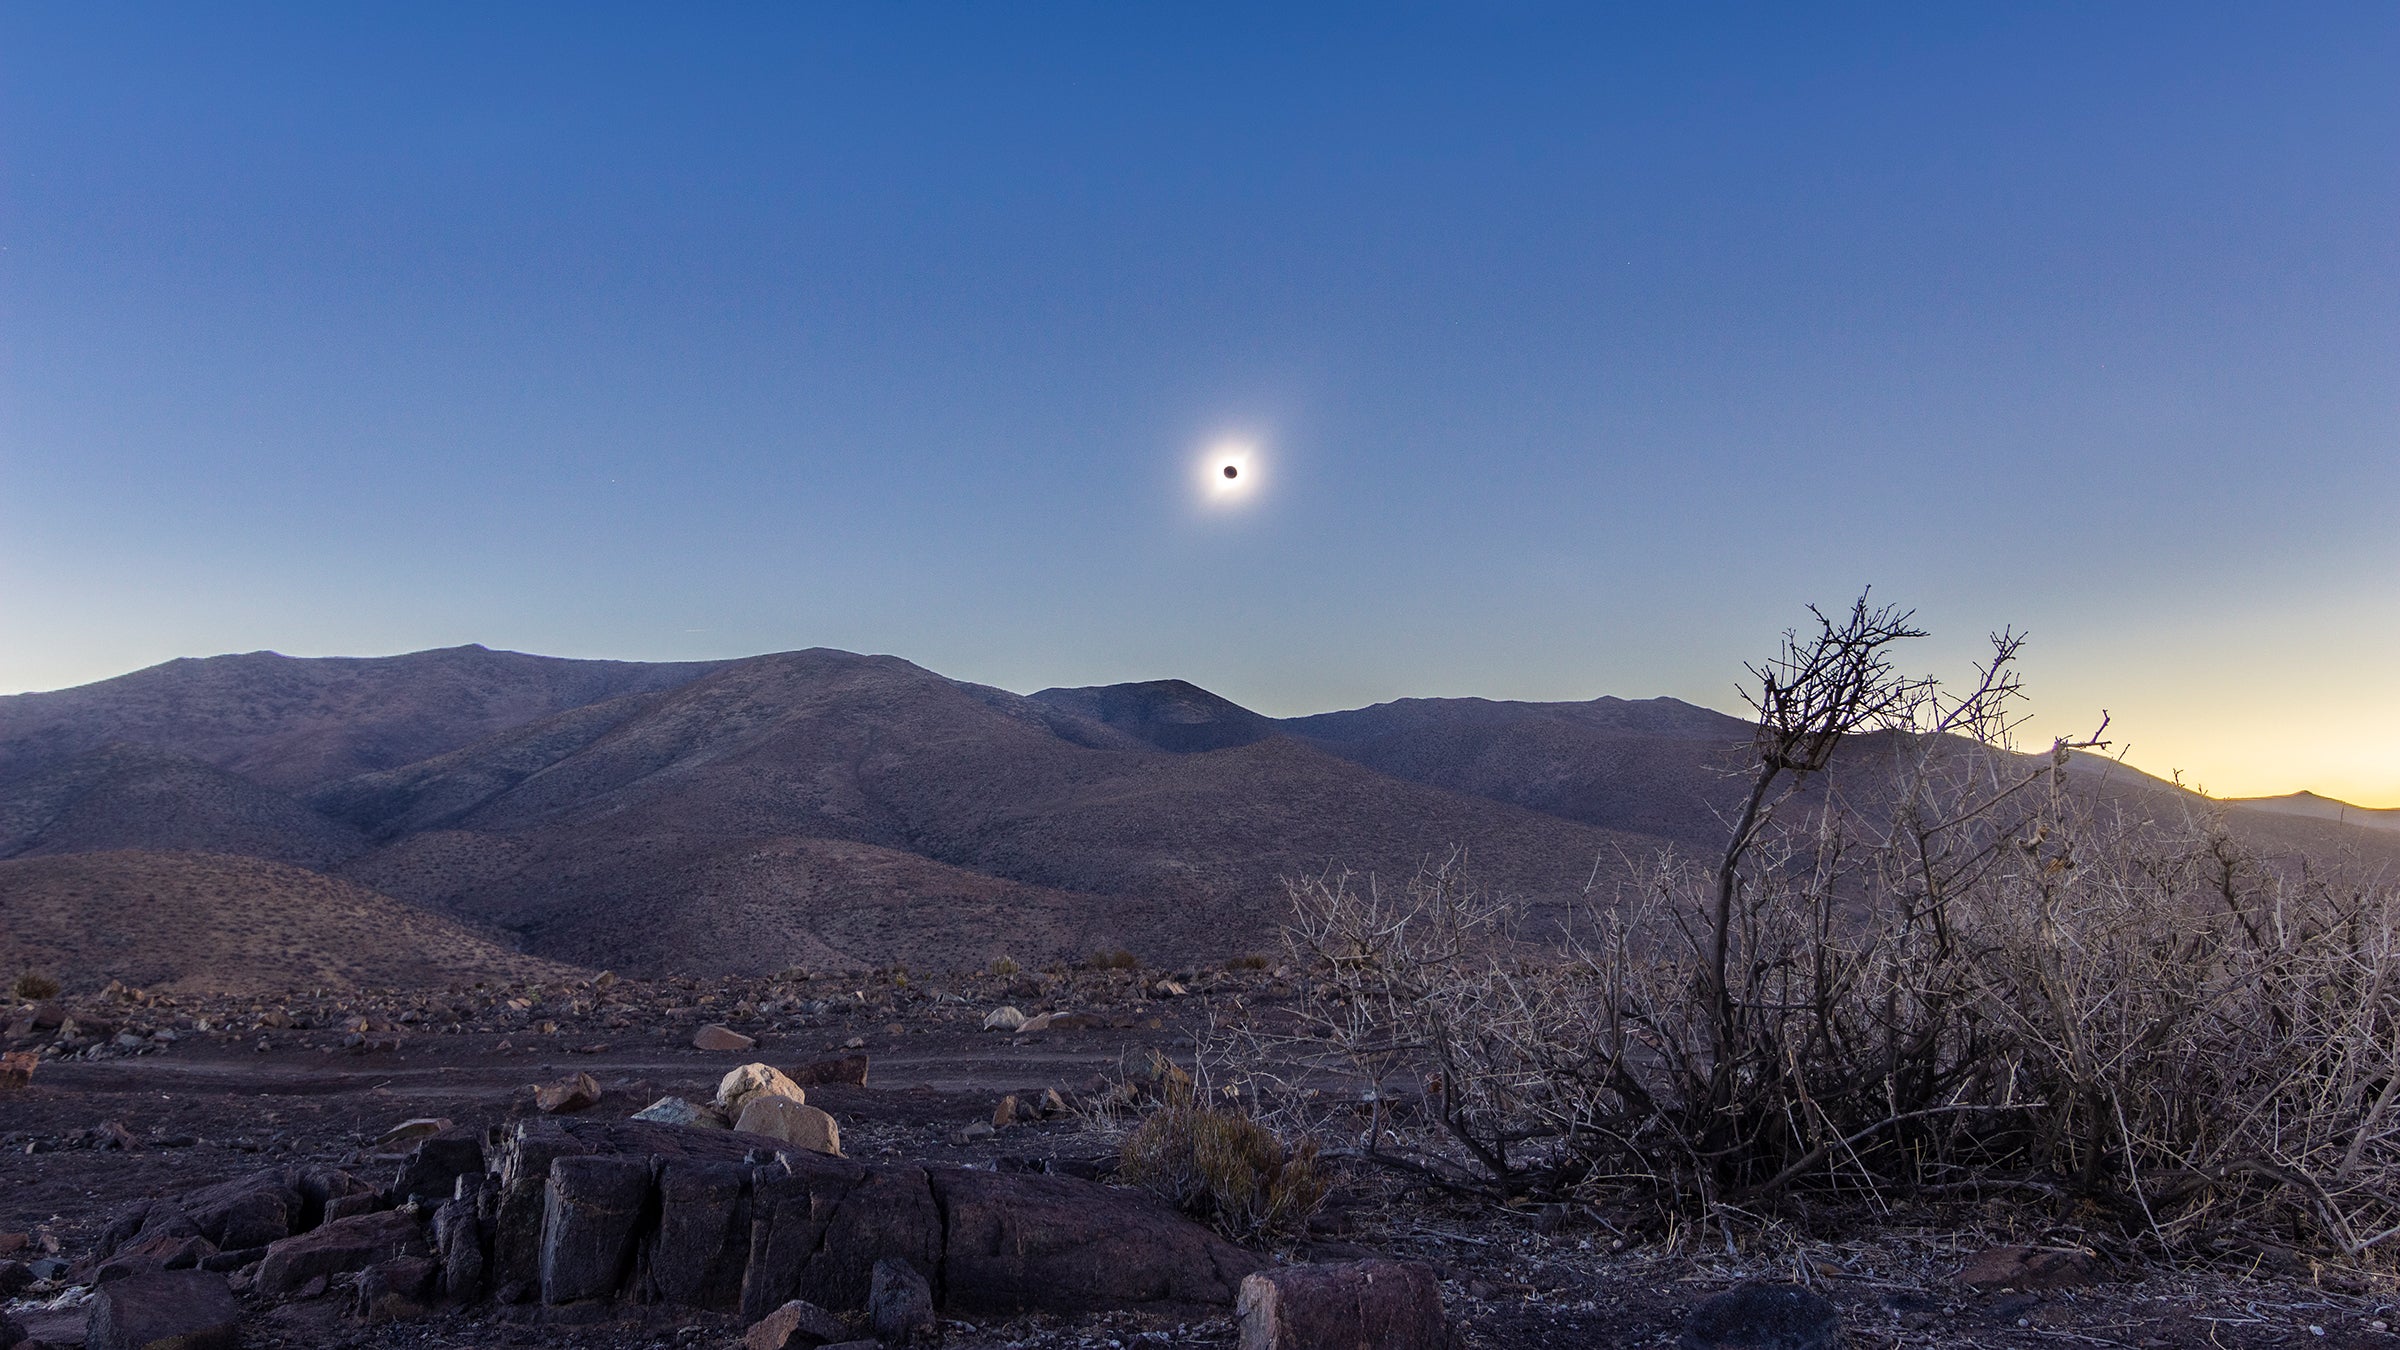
{"type": "Point", "coordinates": [1232, 472]}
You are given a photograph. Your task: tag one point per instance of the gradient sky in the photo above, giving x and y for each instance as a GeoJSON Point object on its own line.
{"type": "Point", "coordinates": [1580, 348]}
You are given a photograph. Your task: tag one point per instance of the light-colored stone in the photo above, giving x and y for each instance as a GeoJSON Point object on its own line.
{"type": "Point", "coordinates": [1005, 1114]}
{"type": "Point", "coordinates": [410, 1131]}
{"type": "Point", "coordinates": [567, 1094]}
{"type": "Point", "coordinates": [1004, 1018]}
{"type": "Point", "coordinates": [795, 1123]}
{"type": "Point", "coordinates": [738, 1088]}
{"type": "Point", "coordinates": [1063, 1021]}
{"type": "Point", "coordinates": [795, 1326]}
{"type": "Point", "coordinates": [677, 1111]}
{"type": "Point", "coordinates": [715, 1037]}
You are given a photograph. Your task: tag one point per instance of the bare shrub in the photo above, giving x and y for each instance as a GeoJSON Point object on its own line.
{"type": "Point", "coordinates": [1955, 977]}
{"type": "Point", "coordinates": [1113, 958]}
{"type": "Point", "coordinates": [32, 985]}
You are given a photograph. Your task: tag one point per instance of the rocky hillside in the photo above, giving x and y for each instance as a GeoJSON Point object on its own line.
{"type": "Point", "coordinates": [227, 924]}
{"type": "Point", "coordinates": [592, 831]}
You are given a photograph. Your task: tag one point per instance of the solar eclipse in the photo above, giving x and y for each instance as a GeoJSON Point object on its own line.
{"type": "Point", "coordinates": [1229, 472]}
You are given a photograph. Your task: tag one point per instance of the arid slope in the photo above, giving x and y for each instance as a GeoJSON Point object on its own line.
{"type": "Point", "coordinates": [208, 921]}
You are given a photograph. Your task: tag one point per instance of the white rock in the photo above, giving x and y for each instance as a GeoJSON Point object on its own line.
{"type": "Point", "coordinates": [735, 1090]}
{"type": "Point", "coordinates": [795, 1123]}
{"type": "Point", "coordinates": [1003, 1018]}
{"type": "Point", "coordinates": [677, 1111]}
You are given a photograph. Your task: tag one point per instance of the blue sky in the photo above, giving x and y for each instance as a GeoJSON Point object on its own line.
{"type": "Point", "coordinates": [1580, 347]}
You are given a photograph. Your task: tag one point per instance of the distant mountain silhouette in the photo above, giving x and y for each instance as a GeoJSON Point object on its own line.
{"type": "Point", "coordinates": [825, 809]}
{"type": "Point", "coordinates": [2310, 806]}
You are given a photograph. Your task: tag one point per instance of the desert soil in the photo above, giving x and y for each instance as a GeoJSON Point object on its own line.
{"type": "Point", "coordinates": [248, 1083]}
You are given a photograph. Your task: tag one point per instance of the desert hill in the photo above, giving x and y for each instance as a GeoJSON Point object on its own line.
{"type": "Point", "coordinates": [164, 920]}
{"type": "Point", "coordinates": [294, 723]}
{"type": "Point", "coordinates": [136, 796]}
{"type": "Point", "coordinates": [966, 792]}
{"type": "Point", "coordinates": [1658, 766]}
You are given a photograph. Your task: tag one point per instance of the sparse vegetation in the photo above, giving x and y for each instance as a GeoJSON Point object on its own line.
{"type": "Point", "coordinates": [1113, 958]}
{"type": "Point", "coordinates": [31, 985]}
{"type": "Point", "coordinates": [1220, 1165]}
{"type": "Point", "coordinates": [1252, 961]}
{"type": "Point", "coordinates": [1978, 982]}
{"type": "Point", "coordinates": [1004, 967]}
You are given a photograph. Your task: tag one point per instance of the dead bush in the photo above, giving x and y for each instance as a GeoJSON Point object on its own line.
{"type": "Point", "coordinates": [1968, 979]}
{"type": "Point", "coordinates": [31, 986]}
{"type": "Point", "coordinates": [1116, 958]}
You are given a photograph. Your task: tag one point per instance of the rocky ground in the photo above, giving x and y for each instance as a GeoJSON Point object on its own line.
{"type": "Point", "coordinates": [133, 1096]}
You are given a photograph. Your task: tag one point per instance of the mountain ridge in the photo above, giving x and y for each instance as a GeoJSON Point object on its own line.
{"type": "Point", "coordinates": [820, 806]}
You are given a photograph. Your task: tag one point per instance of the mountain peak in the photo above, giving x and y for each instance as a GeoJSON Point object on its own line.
{"type": "Point", "coordinates": [1174, 715]}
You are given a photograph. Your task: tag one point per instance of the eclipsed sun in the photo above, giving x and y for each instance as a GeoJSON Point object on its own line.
{"type": "Point", "coordinates": [1230, 472]}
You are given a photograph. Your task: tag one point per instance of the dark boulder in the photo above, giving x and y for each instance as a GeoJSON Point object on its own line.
{"type": "Point", "coordinates": [591, 1225]}
{"type": "Point", "coordinates": [459, 1235]}
{"type": "Point", "coordinates": [398, 1289]}
{"type": "Point", "coordinates": [900, 1304]}
{"type": "Point", "coordinates": [1020, 1242]}
{"type": "Point", "coordinates": [1391, 1305]}
{"type": "Point", "coordinates": [431, 1172]}
{"type": "Point", "coordinates": [1762, 1317]}
{"type": "Point", "coordinates": [722, 1220]}
{"type": "Point", "coordinates": [338, 1248]}
{"type": "Point", "coordinates": [161, 1251]}
{"type": "Point", "coordinates": [697, 1254]}
{"type": "Point", "coordinates": [164, 1310]}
